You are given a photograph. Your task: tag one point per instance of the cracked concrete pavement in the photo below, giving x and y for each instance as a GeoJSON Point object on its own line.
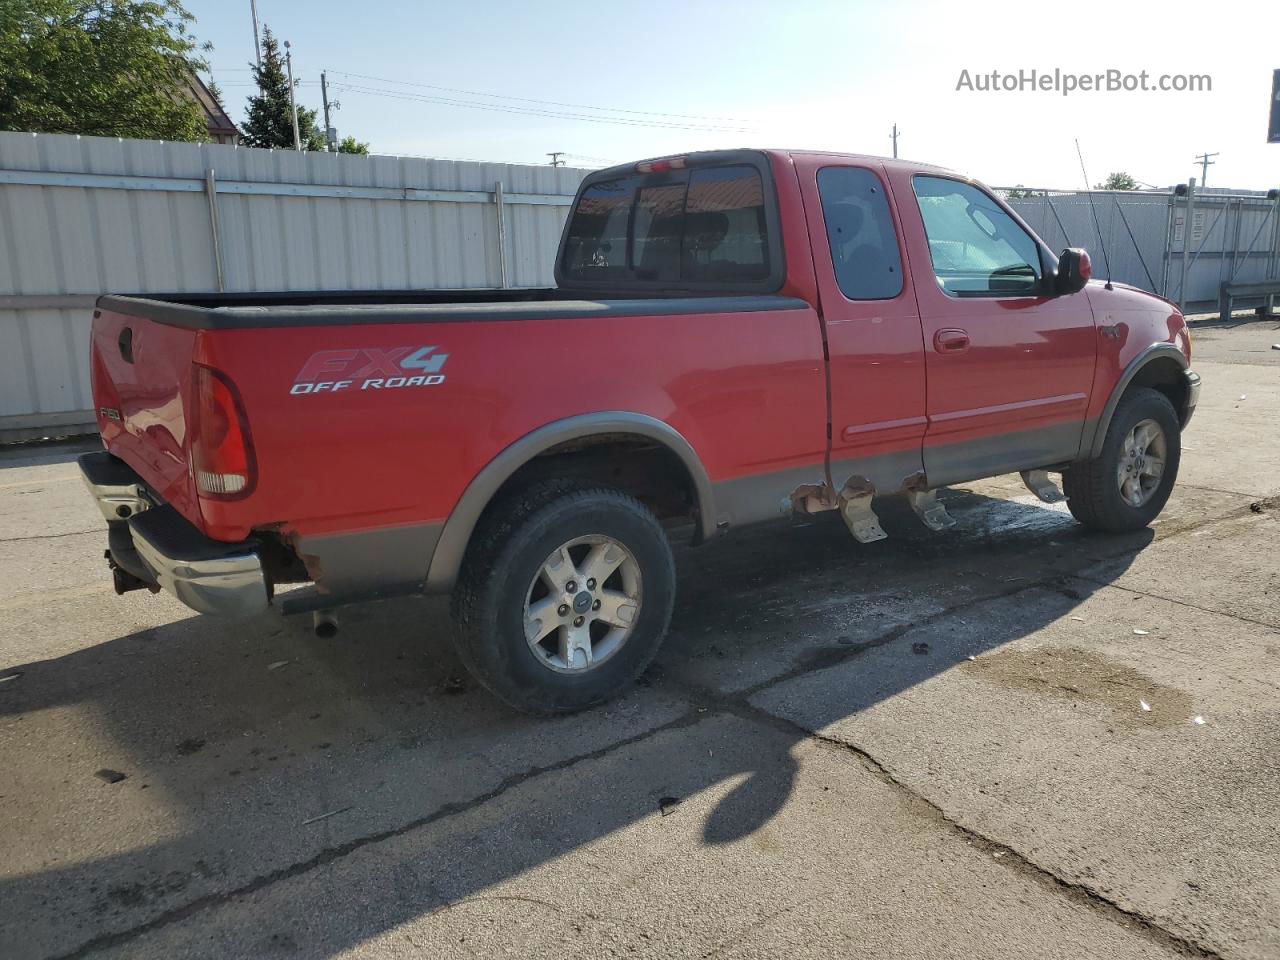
{"type": "Point", "coordinates": [931, 746]}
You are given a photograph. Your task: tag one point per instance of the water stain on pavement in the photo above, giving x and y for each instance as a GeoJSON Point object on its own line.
{"type": "Point", "coordinates": [1082, 676]}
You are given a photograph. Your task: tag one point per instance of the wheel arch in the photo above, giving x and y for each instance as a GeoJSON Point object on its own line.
{"type": "Point", "coordinates": [456, 534]}
{"type": "Point", "coordinates": [1161, 366]}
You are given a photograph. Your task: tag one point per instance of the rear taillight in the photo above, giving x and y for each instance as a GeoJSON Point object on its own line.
{"type": "Point", "coordinates": [221, 449]}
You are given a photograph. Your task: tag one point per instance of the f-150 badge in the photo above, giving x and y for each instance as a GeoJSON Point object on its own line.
{"type": "Point", "coordinates": [370, 368]}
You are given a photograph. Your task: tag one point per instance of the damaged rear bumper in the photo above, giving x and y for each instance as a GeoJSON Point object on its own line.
{"type": "Point", "coordinates": [156, 545]}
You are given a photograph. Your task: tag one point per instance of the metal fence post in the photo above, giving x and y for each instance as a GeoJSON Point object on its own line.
{"type": "Point", "coordinates": [1054, 210]}
{"type": "Point", "coordinates": [1223, 273]}
{"type": "Point", "coordinates": [1168, 244]}
{"type": "Point", "coordinates": [211, 190]}
{"type": "Point", "coordinates": [1186, 240]}
{"type": "Point", "coordinates": [1230, 244]}
{"type": "Point", "coordinates": [1134, 240]}
{"type": "Point", "coordinates": [1111, 235]}
{"type": "Point", "coordinates": [500, 204]}
{"type": "Point", "coordinates": [1275, 245]}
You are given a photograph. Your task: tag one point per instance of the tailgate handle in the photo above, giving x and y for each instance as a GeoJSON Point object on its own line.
{"type": "Point", "coordinates": [126, 344]}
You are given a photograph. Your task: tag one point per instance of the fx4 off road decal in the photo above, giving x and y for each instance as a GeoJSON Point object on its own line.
{"type": "Point", "coordinates": [370, 368]}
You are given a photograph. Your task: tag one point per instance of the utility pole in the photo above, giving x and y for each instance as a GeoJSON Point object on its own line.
{"type": "Point", "coordinates": [293, 103]}
{"type": "Point", "coordinates": [330, 134]}
{"type": "Point", "coordinates": [257, 47]}
{"type": "Point", "coordinates": [895, 141]}
{"type": "Point", "coordinates": [1205, 163]}
{"type": "Point", "coordinates": [555, 158]}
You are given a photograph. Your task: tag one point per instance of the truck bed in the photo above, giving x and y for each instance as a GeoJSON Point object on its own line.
{"type": "Point", "coordinates": [237, 311]}
{"type": "Point", "coordinates": [316, 449]}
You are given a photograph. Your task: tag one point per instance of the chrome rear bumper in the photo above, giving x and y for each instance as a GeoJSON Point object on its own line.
{"type": "Point", "coordinates": [114, 486]}
{"type": "Point", "coordinates": [157, 545]}
{"type": "Point", "coordinates": [207, 576]}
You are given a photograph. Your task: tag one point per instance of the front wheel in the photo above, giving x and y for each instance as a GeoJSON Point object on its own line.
{"type": "Point", "coordinates": [564, 597]}
{"type": "Point", "coordinates": [1128, 484]}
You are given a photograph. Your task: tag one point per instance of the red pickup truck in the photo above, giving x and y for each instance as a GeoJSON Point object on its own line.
{"type": "Point", "coordinates": [733, 335]}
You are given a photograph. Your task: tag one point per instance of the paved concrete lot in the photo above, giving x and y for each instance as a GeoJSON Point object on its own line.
{"type": "Point", "coordinates": [932, 746]}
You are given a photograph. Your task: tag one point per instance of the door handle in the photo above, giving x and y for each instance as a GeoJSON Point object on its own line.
{"type": "Point", "coordinates": [951, 340]}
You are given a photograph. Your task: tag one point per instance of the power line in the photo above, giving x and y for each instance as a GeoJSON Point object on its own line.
{"type": "Point", "coordinates": [552, 103]}
{"type": "Point", "coordinates": [527, 111]}
{"type": "Point", "coordinates": [502, 108]}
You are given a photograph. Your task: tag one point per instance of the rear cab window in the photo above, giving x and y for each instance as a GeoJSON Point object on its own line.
{"type": "Point", "coordinates": [709, 226]}
{"type": "Point", "coordinates": [977, 249]}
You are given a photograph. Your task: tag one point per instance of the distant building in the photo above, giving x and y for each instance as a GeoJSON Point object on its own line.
{"type": "Point", "coordinates": [221, 129]}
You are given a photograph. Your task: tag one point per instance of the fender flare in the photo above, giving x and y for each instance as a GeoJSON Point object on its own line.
{"type": "Point", "coordinates": [446, 560]}
{"type": "Point", "coordinates": [1157, 351]}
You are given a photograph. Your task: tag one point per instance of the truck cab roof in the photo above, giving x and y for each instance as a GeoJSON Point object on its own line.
{"type": "Point", "coordinates": [698, 157]}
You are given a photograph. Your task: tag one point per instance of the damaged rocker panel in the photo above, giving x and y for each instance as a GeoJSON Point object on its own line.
{"type": "Point", "coordinates": [855, 510]}
{"type": "Point", "coordinates": [1038, 482]}
{"type": "Point", "coordinates": [930, 509]}
{"type": "Point", "coordinates": [390, 561]}
{"type": "Point", "coordinates": [903, 472]}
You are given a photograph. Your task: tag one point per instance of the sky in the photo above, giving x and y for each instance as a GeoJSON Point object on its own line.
{"type": "Point", "coordinates": [612, 82]}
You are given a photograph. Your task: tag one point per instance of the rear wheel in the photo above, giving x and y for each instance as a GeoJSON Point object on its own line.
{"type": "Point", "coordinates": [565, 596]}
{"type": "Point", "coordinates": [1128, 484]}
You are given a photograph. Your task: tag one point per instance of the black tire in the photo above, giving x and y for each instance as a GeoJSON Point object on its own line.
{"type": "Point", "coordinates": [509, 547]}
{"type": "Point", "coordinates": [1092, 487]}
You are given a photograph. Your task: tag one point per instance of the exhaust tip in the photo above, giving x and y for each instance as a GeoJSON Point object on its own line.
{"type": "Point", "coordinates": [325, 625]}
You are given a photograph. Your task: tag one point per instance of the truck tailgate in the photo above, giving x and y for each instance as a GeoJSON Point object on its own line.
{"type": "Point", "coordinates": [142, 386]}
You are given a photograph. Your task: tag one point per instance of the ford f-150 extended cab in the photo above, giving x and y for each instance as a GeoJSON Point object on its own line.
{"type": "Point", "coordinates": [732, 335]}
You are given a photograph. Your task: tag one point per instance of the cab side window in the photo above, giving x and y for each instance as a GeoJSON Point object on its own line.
{"type": "Point", "coordinates": [864, 246]}
{"type": "Point", "coordinates": [977, 249]}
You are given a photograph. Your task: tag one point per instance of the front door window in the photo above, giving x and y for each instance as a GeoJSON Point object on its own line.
{"type": "Point", "coordinates": [977, 249]}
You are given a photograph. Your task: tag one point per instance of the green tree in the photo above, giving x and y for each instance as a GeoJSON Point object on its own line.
{"type": "Point", "coordinates": [269, 123]}
{"type": "Point", "coordinates": [1118, 181]}
{"type": "Point", "coordinates": [352, 145]}
{"type": "Point", "coordinates": [116, 68]}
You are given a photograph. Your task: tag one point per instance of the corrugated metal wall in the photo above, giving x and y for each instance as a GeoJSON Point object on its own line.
{"type": "Point", "coordinates": [82, 216]}
{"type": "Point", "coordinates": [1066, 220]}
{"type": "Point", "coordinates": [1232, 238]}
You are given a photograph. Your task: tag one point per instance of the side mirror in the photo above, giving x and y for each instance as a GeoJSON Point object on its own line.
{"type": "Point", "coordinates": [1074, 270]}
